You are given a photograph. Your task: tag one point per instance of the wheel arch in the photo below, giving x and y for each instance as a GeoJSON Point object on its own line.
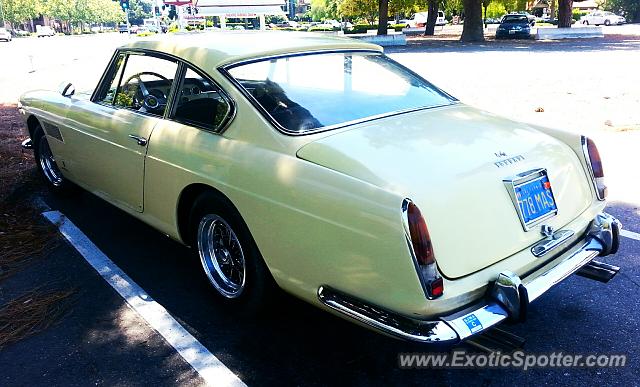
{"type": "Point", "coordinates": [32, 123]}
{"type": "Point", "coordinates": [186, 200]}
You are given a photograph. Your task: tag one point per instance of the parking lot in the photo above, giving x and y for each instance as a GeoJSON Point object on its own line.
{"type": "Point", "coordinates": [586, 86]}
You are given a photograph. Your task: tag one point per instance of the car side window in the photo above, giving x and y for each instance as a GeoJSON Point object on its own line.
{"type": "Point", "coordinates": [108, 94]}
{"type": "Point", "coordinates": [200, 102]}
{"type": "Point", "coordinates": [141, 83]}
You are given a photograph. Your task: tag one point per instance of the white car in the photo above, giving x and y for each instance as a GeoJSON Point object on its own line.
{"type": "Point", "coordinates": [43, 31]}
{"type": "Point", "coordinates": [420, 19]}
{"type": "Point", "coordinates": [5, 35]}
{"type": "Point", "coordinates": [601, 17]}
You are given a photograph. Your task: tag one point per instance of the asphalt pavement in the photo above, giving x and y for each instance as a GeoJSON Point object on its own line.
{"type": "Point", "coordinates": [102, 341]}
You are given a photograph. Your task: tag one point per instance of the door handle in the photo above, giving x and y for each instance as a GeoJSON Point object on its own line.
{"type": "Point", "coordinates": [140, 140]}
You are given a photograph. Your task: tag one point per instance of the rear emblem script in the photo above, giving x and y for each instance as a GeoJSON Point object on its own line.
{"type": "Point", "coordinates": [509, 161]}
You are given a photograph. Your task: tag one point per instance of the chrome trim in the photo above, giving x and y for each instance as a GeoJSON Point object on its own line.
{"type": "Point", "coordinates": [551, 242]}
{"type": "Point", "coordinates": [27, 144]}
{"type": "Point", "coordinates": [512, 181]}
{"type": "Point", "coordinates": [427, 274]}
{"type": "Point", "coordinates": [587, 159]}
{"type": "Point", "coordinates": [506, 290]}
{"type": "Point", "coordinates": [173, 93]}
{"type": "Point", "coordinates": [224, 70]}
{"type": "Point", "coordinates": [48, 164]}
{"type": "Point", "coordinates": [599, 239]}
{"type": "Point", "coordinates": [140, 140]}
{"type": "Point", "coordinates": [221, 256]}
{"type": "Point", "coordinates": [430, 332]}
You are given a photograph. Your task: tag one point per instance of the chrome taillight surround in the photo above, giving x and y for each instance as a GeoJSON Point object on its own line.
{"type": "Point", "coordinates": [597, 181]}
{"type": "Point", "coordinates": [427, 273]}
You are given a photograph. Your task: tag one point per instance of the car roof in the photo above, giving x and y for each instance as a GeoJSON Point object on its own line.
{"type": "Point", "coordinates": [209, 50]}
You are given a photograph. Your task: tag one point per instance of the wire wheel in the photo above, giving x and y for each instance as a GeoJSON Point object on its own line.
{"type": "Point", "coordinates": [48, 163]}
{"type": "Point", "coordinates": [221, 256]}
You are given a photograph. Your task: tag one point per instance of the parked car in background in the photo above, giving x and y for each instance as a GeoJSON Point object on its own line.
{"type": "Point", "coordinates": [44, 31]}
{"type": "Point", "coordinates": [514, 26]}
{"type": "Point", "coordinates": [407, 23]}
{"type": "Point", "coordinates": [134, 29]}
{"type": "Point", "coordinates": [5, 35]}
{"type": "Point", "coordinates": [19, 32]}
{"type": "Point", "coordinates": [602, 17]}
{"type": "Point", "coordinates": [530, 17]}
{"type": "Point", "coordinates": [419, 20]}
{"type": "Point", "coordinates": [322, 166]}
{"type": "Point", "coordinates": [123, 29]}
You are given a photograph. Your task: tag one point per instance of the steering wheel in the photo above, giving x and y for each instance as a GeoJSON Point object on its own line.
{"type": "Point", "coordinates": [151, 99]}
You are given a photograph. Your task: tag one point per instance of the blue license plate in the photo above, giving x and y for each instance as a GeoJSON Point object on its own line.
{"type": "Point", "coordinates": [535, 199]}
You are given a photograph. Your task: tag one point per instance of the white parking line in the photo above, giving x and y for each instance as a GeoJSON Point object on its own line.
{"type": "Point", "coordinates": [630, 234]}
{"type": "Point", "coordinates": [191, 350]}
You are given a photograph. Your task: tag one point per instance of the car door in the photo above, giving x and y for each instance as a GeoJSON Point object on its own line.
{"type": "Point", "coordinates": [110, 132]}
{"type": "Point", "coordinates": [597, 18]}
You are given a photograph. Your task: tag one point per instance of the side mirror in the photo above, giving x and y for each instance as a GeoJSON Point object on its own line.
{"type": "Point", "coordinates": [66, 89]}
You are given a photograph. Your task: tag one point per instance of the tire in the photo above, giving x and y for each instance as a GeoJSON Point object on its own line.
{"type": "Point", "coordinates": [607, 22]}
{"type": "Point", "coordinates": [224, 255]}
{"type": "Point", "coordinates": [46, 164]}
{"type": "Point", "coordinates": [586, 22]}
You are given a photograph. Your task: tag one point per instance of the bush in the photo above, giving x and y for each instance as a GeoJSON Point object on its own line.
{"type": "Point", "coordinates": [362, 28]}
{"type": "Point", "coordinates": [320, 28]}
{"type": "Point", "coordinates": [577, 14]}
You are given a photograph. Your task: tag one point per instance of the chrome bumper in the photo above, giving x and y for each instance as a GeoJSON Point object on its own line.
{"type": "Point", "coordinates": [27, 144]}
{"type": "Point", "coordinates": [508, 298]}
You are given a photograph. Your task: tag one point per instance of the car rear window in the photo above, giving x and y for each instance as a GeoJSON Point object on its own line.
{"type": "Point", "coordinates": [306, 93]}
{"type": "Point", "coordinates": [515, 19]}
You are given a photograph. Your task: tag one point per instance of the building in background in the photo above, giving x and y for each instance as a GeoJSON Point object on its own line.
{"type": "Point", "coordinates": [248, 9]}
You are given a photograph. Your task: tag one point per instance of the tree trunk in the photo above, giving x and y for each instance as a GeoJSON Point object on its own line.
{"type": "Point", "coordinates": [383, 16]}
{"type": "Point", "coordinates": [484, 19]}
{"type": "Point", "coordinates": [565, 17]}
{"type": "Point", "coordinates": [472, 30]}
{"type": "Point", "coordinates": [432, 17]}
{"type": "Point", "coordinates": [552, 9]}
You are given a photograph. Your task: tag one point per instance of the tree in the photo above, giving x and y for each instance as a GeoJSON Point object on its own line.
{"type": "Point", "coordinates": [139, 10]}
{"type": "Point", "coordinates": [485, 5]}
{"type": "Point", "coordinates": [324, 9]}
{"type": "Point", "coordinates": [20, 11]}
{"type": "Point", "coordinates": [472, 30]}
{"type": "Point", "coordinates": [565, 13]}
{"type": "Point", "coordinates": [432, 17]}
{"type": "Point", "coordinates": [628, 8]}
{"type": "Point", "coordinates": [383, 12]}
{"type": "Point", "coordinates": [356, 9]}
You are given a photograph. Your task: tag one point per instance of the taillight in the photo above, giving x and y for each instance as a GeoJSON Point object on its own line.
{"type": "Point", "coordinates": [594, 162]}
{"type": "Point", "coordinates": [422, 250]}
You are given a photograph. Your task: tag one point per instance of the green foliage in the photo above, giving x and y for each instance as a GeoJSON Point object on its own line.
{"type": "Point", "coordinates": [359, 9]}
{"type": "Point", "coordinates": [18, 11]}
{"type": "Point", "coordinates": [495, 10]}
{"type": "Point", "coordinates": [322, 28]}
{"type": "Point", "coordinates": [324, 9]}
{"type": "Point", "coordinates": [577, 14]}
{"type": "Point", "coordinates": [139, 10]}
{"type": "Point", "coordinates": [362, 28]}
{"type": "Point", "coordinates": [630, 9]}
{"type": "Point", "coordinates": [74, 11]}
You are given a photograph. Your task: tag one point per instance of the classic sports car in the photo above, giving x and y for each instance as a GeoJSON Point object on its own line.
{"type": "Point", "coordinates": [321, 166]}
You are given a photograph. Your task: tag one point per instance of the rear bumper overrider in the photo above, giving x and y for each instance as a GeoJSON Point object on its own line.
{"type": "Point", "coordinates": [507, 298]}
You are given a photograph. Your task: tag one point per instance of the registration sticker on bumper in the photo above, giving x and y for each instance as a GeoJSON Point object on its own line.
{"type": "Point", "coordinates": [473, 323]}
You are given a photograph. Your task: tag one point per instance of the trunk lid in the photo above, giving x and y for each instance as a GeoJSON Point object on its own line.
{"type": "Point", "coordinates": [451, 162]}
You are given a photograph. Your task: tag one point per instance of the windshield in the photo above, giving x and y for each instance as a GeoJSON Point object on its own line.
{"type": "Point", "coordinates": [307, 92]}
{"type": "Point", "coordinates": [515, 19]}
